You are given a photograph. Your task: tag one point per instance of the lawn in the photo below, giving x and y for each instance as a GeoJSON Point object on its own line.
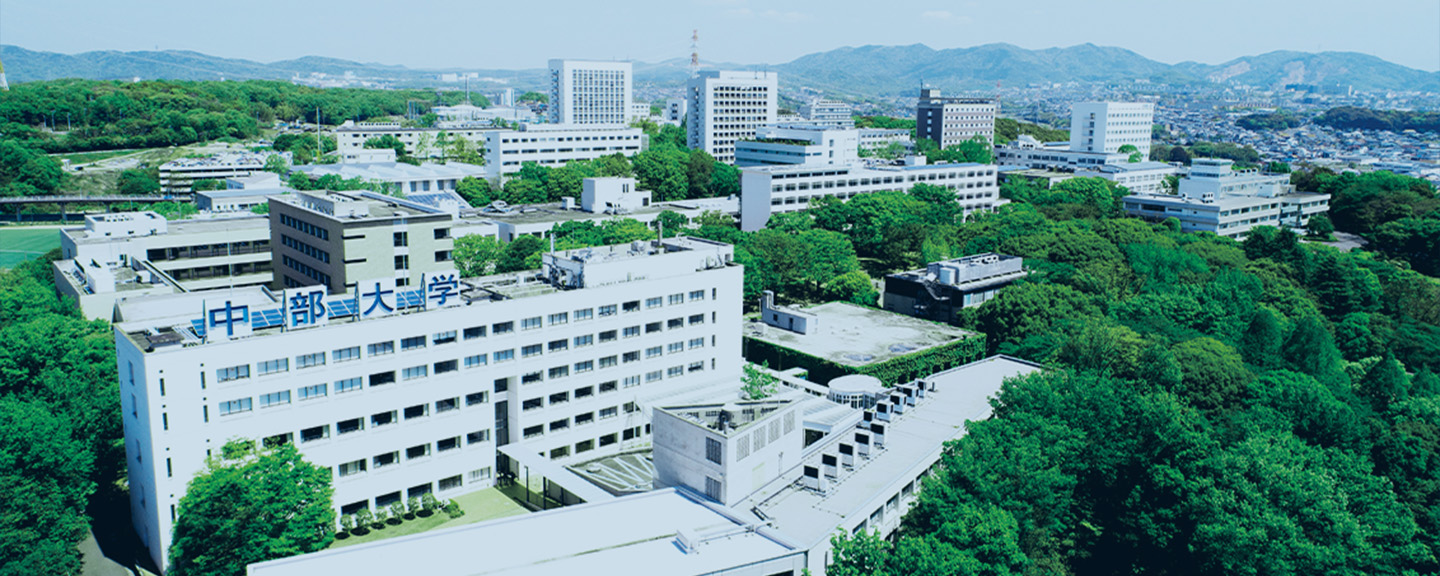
{"type": "Point", "coordinates": [20, 244]}
{"type": "Point", "coordinates": [87, 157]}
{"type": "Point", "coordinates": [487, 504]}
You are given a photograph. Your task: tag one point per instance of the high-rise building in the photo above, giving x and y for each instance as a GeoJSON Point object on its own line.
{"type": "Point", "coordinates": [404, 391]}
{"type": "Point", "coordinates": [725, 106]}
{"type": "Point", "coordinates": [1104, 127]}
{"type": "Point", "coordinates": [590, 92]}
{"type": "Point", "coordinates": [950, 121]}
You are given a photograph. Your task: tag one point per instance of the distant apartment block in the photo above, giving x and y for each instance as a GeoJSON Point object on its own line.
{"type": "Point", "coordinates": [675, 110]}
{"type": "Point", "coordinates": [942, 289]}
{"type": "Point", "coordinates": [1214, 197]}
{"type": "Point", "coordinates": [1103, 127]}
{"type": "Point", "coordinates": [798, 144]}
{"type": "Point", "coordinates": [400, 176]}
{"type": "Point", "coordinates": [830, 113]}
{"type": "Point", "coordinates": [589, 92]}
{"type": "Point", "coordinates": [420, 142]}
{"type": "Point", "coordinates": [771, 189]}
{"type": "Point", "coordinates": [1031, 153]}
{"type": "Point", "coordinates": [1137, 177]}
{"type": "Point", "coordinates": [728, 106]}
{"type": "Point", "coordinates": [950, 121]}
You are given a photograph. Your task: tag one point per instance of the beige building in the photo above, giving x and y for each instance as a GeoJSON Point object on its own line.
{"type": "Point", "coordinates": [336, 238]}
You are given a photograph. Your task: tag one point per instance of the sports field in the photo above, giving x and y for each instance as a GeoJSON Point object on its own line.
{"type": "Point", "coordinates": [20, 244]}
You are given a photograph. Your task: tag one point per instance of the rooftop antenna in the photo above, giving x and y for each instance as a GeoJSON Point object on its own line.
{"type": "Point", "coordinates": [4, 85]}
{"type": "Point", "coordinates": [694, 52]}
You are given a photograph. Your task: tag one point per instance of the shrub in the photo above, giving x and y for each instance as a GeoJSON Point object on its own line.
{"type": "Point", "coordinates": [347, 523]}
{"type": "Point", "coordinates": [397, 511]}
{"type": "Point", "coordinates": [413, 506]}
{"type": "Point", "coordinates": [363, 521]}
{"type": "Point", "coordinates": [430, 503]}
{"type": "Point", "coordinates": [453, 510]}
{"type": "Point", "coordinates": [379, 522]}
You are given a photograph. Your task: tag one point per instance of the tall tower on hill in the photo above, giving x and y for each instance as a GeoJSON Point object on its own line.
{"type": "Point", "coordinates": [5, 86]}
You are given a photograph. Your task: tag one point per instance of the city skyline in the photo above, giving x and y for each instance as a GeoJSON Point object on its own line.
{"type": "Point", "coordinates": [659, 31]}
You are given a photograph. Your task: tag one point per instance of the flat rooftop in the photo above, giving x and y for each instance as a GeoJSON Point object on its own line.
{"type": "Point", "coordinates": [195, 225]}
{"type": "Point", "coordinates": [912, 441]}
{"type": "Point", "coordinates": [552, 212]}
{"type": "Point", "coordinates": [856, 336]}
{"type": "Point", "coordinates": [728, 418]}
{"type": "Point", "coordinates": [632, 535]}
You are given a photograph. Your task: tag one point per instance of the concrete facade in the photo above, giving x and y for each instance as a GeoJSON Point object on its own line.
{"type": "Point", "coordinates": [588, 92]}
{"type": "Point", "coordinates": [950, 121]}
{"type": "Point", "coordinates": [784, 144]}
{"type": "Point", "coordinates": [767, 190]}
{"type": "Point", "coordinates": [942, 289]}
{"type": "Point", "coordinates": [555, 145]}
{"type": "Point", "coordinates": [1104, 127]}
{"type": "Point", "coordinates": [727, 106]}
{"type": "Point", "coordinates": [1214, 197]}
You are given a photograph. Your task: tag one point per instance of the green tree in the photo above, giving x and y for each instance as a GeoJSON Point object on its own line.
{"type": "Point", "coordinates": [533, 97]}
{"type": "Point", "coordinates": [260, 506]}
{"type": "Point", "coordinates": [476, 255]}
{"type": "Point", "coordinates": [1159, 369]}
{"type": "Point", "coordinates": [45, 481]}
{"type": "Point", "coordinates": [854, 287]}
{"type": "Point", "coordinates": [1385, 383]}
{"type": "Point", "coordinates": [1214, 374]}
{"type": "Point", "coordinates": [386, 141]}
{"type": "Point", "coordinates": [1262, 340]}
{"type": "Point", "coordinates": [476, 191]}
{"type": "Point", "coordinates": [136, 182]}
{"type": "Point", "coordinates": [1135, 155]}
{"type": "Point", "coordinates": [1320, 227]}
{"type": "Point", "coordinates": [522, 253]}
{"type": "Point", "coordinates": [756, 383]}
{"type": "Point", "coordinates": [672, 222]}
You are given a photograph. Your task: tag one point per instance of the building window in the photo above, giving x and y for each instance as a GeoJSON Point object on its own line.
{"type": "Point", "coordinates": [273, 366]}
{"type": "Point", "coordinates": [316, 391]}
{"type": "Point", "coordinates": [352, 468]}
{"type": "Point", "coordinates": [313, 434]}
{"type": "Point", "coordinates": [674, 371]}
{"type": "Point", "coordinates": [654, 376]}
{"type": "Point", "coordinates": [382, 378]}
{"type": "Point", "coordinates": [530, 323]}
{"type": "Point", "coordinates": [655, 302]}
{"type": "Point", "coordinates": [532, 404]}
{"type": "Point", "coordinates": [232, 373]}
{"type": "Point", "coordinates": [697, 343]}
{"type": "Point", "coordinates": [608, 362]}
{"type": "Point", "coordinates": [632, 331]}
{"type": "Point", "coordinates": [674, 347]}
{"type": "Point", "coordinates": [607, 336]}
{"type": "Point", "coordinates": [446, 405]}
{"type": "Point", "coordinates": [559, 318]}
{"type": "Point", "coordinates": [474, 332]}
{"type": "Point", "coordinates": [402, 262]}
{"type": "Point", "coordinates": [674, 323]}
{"type": "Point", "coordinates": [412, 373]}
{"type": "Point", "coordinates": [475, 361]}
{"type": "Point", "coordinates": [477, 398]}
{"type": "Point", "coordinates": [420, 451]}
{"type": "Point", "coordinates": [235, 406]}
{"type": "Point", "coordinates": [608, 412]}
{"type": "Point", "coordinates": [559, 372]}
{"type": "Point", "coordinates": [381, 348]}
{"type": "Point", "coordinates": [695, 367]}
{"type": "Point", "coordinates": [560, 424]}
{"type": "Point", "coordinates": [503, 328]}
{"type": "Point", "coordinates": [631, 381]}
{"type": "Point", "coordinates": [585, 366]}
{"type": "Point", "coordinates": [652, 327]}
{"type": "Point", "coordinates": [274, 398]}
{"type": "Point", "coordinates": [631, 306]}
{"type": "Point", "coordinates": [534, 431]}
{"type": "Point", "coordinates": [446, 366]}
{"type": "Point", "coordinates": [697, 295]}
{"type": "Point", "coordinates": [712, 450]}
{"type": "Point", "coordinates": [443, 337]}
{"type": "Point", "coordinates": [384, 419]}
{"type": "Point", "coordinates": [505, 355]}
{"type": "Point", "coordinates": [558, 345]}
{"type": "Point", "coordinates": [697, 319]}
{"type": "Point", "coordinates": [477, 437]}
{"type": "Point", "coordinates": [653, 351]}
{"type": "Point", "coordinates": [585, 340]}
{"type": "Point", "coordinates": [347, 426]}
{"type": "Point", "coordinates": [607, 310]}
{"type": "Point", "coordinates": [386, 459]}
{"type": "Point", "coordinates": [401, 239]}
{"type": "Point", "coordinates": [417, 411]}
{"type": "Point", "coordinates": [345, 354]}
{"type": "Point", "coordinates": [559, 398]}
{"type": "Point", "coordinates": [632, 356]}
{"type": "Point", "coordinates": [677, 299]}
{"type": "Point", "coordinates": [607, 440]}
{"type": "Point", "coordinates": [447, 444]}
{"type": "Point", "coordinates": [584, 314]}
{"type": "Point", "coordinates": [347, 385]}
{"type": "Point", "coordinates": [610, 386]}
{"type": "Point", "coordinates": [308, 360]}
{"type": "Point", "coordinates": [531, 350]}
{"type": "Point", "coordinates": [411, 343]}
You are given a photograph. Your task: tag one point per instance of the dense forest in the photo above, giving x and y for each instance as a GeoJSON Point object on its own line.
{"type": "Point", "coordinates": [1244, 156]}
{"type": "Point", "coordinates": [1352, 118]}
{"type": "Point", "coordinates": [62, 457]}
{"type": "Point", "coordinates": [1256, 407]}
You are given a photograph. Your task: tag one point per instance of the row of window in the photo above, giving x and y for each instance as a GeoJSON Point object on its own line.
{"type": "Point", "coordinates": [305, 249]}
{"type": "Point", "coordinates": [417, 452]}
{"type": "Point", "coordinates": [305, 269]}
{"type": "Point", "coordinates": [444, 484]}
{"type": "Point", "coordinates": [603, 441]}
{"type": "Point", "coordinates": [305, 227]}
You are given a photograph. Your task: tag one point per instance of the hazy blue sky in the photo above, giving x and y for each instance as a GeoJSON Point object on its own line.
{"type": "Point", "coordinates": [523, 34]}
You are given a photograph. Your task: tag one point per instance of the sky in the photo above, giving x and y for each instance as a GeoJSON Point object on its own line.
{"type": "Point", "coordinates": [512, 34]}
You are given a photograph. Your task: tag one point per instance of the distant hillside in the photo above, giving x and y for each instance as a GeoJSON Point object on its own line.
{"type": "Point", "coordinates": [866, 71]}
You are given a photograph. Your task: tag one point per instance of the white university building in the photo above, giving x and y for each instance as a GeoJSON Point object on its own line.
{"type": "Point", "coordinates": [1104, 127]}
{"type": "Point", "coordinates": [770, 189]}
{"type": "Point", "coordinates": [400, 391]}
{"type": "Point", "coordinates": [590, 92]}
{"type": "Point", "coordinates": [726, 106]}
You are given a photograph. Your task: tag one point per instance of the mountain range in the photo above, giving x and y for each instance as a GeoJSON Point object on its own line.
{"type": "Point", "coordinates": [864, 71]}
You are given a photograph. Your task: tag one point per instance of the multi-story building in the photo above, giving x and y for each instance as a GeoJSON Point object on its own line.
{"type": "Point", "coordinates": [674, 112]}
{"type": "Point", "coordinates": [400, 392]}
{"type": "Point", "coordinates": [128, 254]}
{"type": "Point", "coordinates": [179, 176]}
{"type": "Point", "coordinates": [1106, 126]}
{"type": "Point", "coordinates": [1031, 153]}
{"type": "Point", "coordinates": [334, 239]}
{"type": "Point", "coordinates": [1137, 177]}
{"type": "Point", "coordinates": [556, 145]}
{"type": "Point", "coordinates": [589, 92]}
{"type": "Point", "coordinates": [400, 176]}
{"type": "Point", "coordinates": [1214, 197]}
{"type": "Point", "coordinates": [830, 113]}
{"type": "Point", "coordinates": [727, 106]}
{"type": "Point", "coordinates": [420, 142]}
{"type": "Point", "coordinates": [950, 121]}
{"type": "Point", "coordinates": [942, 289]}
{"type": "Point", "coordinates": [798, 144]}
{"type": "Point", "coordinates": [873, 138]}
{"type": "Point", "coordinates": [770, 189]}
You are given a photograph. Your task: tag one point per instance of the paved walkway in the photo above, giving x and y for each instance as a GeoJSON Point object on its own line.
{"type": "Point", "coordinates": [95, 562]}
